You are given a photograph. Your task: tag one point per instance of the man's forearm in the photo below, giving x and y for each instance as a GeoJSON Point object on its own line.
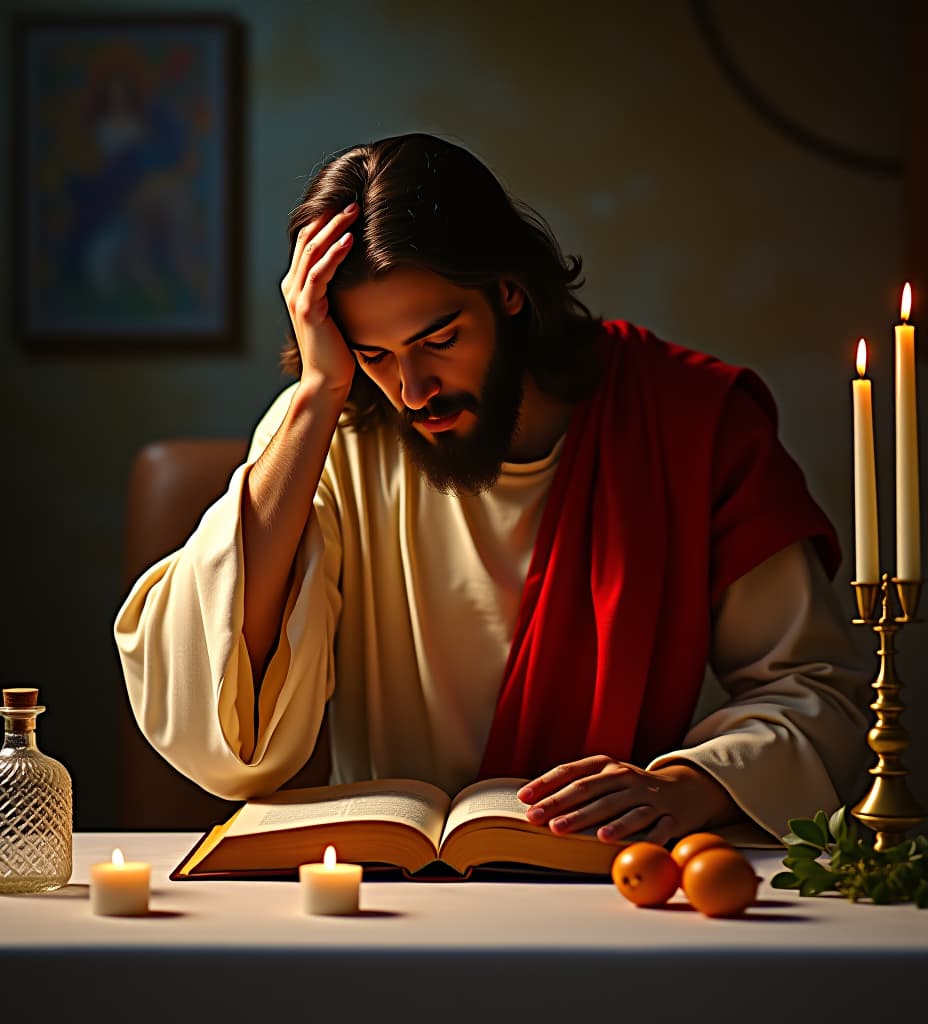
{"type": "Point", "coordinates": [277, 500]}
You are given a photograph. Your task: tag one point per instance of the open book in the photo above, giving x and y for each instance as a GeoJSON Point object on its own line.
{"type": "Point", "coordinates": [397, 823]}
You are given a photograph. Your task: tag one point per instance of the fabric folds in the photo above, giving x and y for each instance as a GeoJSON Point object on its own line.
{"type": "Point", "coordinates": [671, 485]}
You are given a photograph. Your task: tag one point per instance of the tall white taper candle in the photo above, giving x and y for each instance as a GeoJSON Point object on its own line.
{"type": "Point", "coordinates": [866, 530]}
{"type": "Point", "coordinates": [908, 540]}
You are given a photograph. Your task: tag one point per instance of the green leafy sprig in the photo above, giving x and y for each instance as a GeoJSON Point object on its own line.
{"type": "Point", "coordinates": [827, 855]}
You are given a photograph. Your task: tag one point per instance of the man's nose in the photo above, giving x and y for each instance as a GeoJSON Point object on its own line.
{"type": "Point", "coordinates": [417, 389]}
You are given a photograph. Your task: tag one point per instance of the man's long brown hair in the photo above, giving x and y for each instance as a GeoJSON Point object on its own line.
{"type": "Point", "coordinates": [429, 204]}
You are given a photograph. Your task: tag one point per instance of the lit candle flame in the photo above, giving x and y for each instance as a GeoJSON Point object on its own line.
{"type": "Point", "coordinates": [906, 305]}
{"type": "Point", "coordinates": [328, 858]}
{"type": "Point", "coordinates": [118, 857]}
{"type": "Point", "coordinates": [862, 357]}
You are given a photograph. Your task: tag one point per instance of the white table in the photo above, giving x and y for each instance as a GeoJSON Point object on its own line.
{"type": "Point", "coordinates": [449, 951]}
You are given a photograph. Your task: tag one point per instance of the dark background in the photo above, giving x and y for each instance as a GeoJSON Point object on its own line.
{"type": "Point", "coordinates": [759, 240]}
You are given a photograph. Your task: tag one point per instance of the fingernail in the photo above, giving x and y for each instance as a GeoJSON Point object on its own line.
{"type": "Point", "coordinates": [526, 794]}
{"type": "Point", "coordinates": [558, 823]}
{"type": "Point", "coordinates": [536, 814]}
{"type": "Point", "coordinates": [351, 208]}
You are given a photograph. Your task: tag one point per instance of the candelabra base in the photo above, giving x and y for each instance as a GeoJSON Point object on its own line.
{"type": "Point", "coordinates": [889, 809]}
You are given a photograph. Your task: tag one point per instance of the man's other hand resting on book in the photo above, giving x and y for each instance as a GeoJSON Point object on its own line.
{"type": "Point", "coordinates": [623, 800]}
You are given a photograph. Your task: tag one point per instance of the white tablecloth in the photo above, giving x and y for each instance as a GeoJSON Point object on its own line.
{"type": "Point", "coordinates": [449, 951]}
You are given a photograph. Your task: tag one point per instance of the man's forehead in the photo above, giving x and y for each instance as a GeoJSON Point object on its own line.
{"type": "Point", "coordinates": [392, 310]}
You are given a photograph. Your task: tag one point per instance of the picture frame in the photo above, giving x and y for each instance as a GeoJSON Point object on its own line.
{"type": "Point", "coordinates": [127, 147]}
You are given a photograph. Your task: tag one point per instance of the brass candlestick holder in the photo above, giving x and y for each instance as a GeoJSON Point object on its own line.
{"type": "Point", "coordinates": [889, 809]}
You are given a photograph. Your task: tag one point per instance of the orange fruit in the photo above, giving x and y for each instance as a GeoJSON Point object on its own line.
{"type": "Point", "coordinates": [719, 882]}
{"type": "Point", "coordinates": [646, 874]}
{"type": "Point", "coordinates": [694, 843]}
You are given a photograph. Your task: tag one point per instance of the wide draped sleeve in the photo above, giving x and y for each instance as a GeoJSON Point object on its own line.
{"type": "Point", "coordinates": [185, 662]}
{"type": "Point", "coordinates": [791, 737]}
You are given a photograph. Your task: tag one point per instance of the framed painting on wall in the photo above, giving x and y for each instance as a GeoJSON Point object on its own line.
{"type": "Point", "coordinates": [127, 148]}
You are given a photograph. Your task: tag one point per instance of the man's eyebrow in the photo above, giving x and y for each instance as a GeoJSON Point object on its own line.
{"type": "Point", "coordinates": [435, 325]}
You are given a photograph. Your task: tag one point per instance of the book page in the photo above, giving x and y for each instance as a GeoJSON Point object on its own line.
{"type": "Point", "coordinates": [406, 801]}
{"type": "Point", "coordinates": [492, 797]}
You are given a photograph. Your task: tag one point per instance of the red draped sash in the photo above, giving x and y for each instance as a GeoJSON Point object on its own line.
{"type": "Point", "coordinates": [671, 484]}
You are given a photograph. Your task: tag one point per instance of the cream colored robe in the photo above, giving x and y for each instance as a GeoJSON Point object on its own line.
{"type": "Point", "coordinates": [401, 611]}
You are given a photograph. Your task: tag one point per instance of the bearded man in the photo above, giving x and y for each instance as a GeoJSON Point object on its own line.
{"type": "Point", "coordinates": [489, 533]}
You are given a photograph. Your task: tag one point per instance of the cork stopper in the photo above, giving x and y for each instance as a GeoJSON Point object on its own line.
{"type": "Point", "coordinates": [20, 706]}
{"type": "Point", "coordinates": [20, 697]}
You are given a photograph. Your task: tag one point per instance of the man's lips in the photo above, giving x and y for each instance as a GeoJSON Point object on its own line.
{"type": "Point", "coordinates": [438, 424]}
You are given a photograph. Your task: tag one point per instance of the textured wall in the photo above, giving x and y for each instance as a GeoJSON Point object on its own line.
{"type": "Point", "coordinates": [693, 215]}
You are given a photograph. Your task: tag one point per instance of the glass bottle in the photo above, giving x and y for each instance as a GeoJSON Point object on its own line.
{"type": "Point", "coordinates": [35, 803]}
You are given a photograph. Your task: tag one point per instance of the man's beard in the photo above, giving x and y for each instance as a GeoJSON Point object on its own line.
{"type": "Point", "coordinates": [470, 464]}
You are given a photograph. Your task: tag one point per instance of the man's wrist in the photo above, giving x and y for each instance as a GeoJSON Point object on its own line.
{"type": "Point", "coordinates": [313, 389]}
{"type": "Point", "coordinates": [721, 809]}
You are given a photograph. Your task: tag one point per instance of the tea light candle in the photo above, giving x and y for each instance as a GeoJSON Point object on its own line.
{"type": "Point", "coordinates": [119, 888]}
{"type": "Point", "coordinates": [329, 887]}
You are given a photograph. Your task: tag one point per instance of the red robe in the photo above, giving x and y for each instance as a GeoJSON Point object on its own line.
{"type": "Point", "coordinates": [671, 484]}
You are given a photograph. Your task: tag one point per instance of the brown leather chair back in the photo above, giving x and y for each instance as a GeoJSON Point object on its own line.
{"type": "Point", "coordinates": [171, 484]}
